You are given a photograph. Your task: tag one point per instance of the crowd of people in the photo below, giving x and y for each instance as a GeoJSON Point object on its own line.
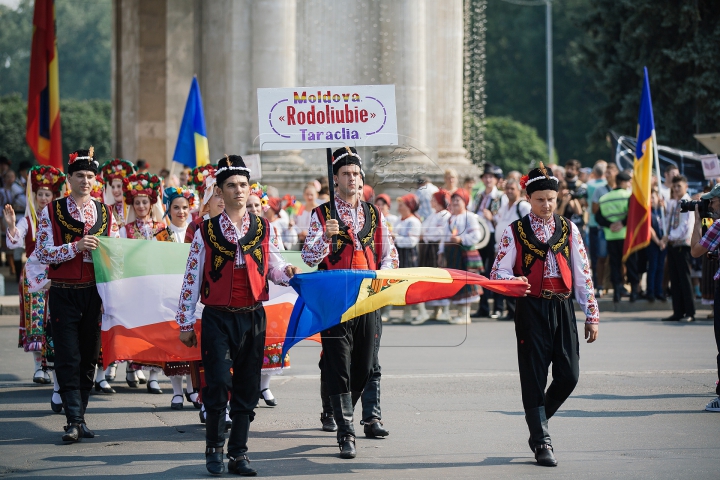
{"type": "Point", "coordinates": [503, 226]}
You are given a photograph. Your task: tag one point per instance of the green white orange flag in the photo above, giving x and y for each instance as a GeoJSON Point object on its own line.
{"type": "Point", "coordinates": [140, 283]}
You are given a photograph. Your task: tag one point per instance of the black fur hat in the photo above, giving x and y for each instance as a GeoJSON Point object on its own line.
{"type": "Point", "coordinates": [82, 160]}
{"type": "Point", "coordinates": [539, 179]}
{"type": "Point", "coordinates": [345, 156]}
{"type": "Point", "coordinates": [229, 166]}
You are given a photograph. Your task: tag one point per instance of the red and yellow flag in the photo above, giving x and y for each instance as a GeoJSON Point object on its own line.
{"type": "Point", "coordinates": [43, 112]}
{"type": "Point", "coordinates": [638, 219]}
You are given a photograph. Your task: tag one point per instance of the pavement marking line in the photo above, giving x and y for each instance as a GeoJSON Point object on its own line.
{"type": "Point", "coordinates": [515, 374]}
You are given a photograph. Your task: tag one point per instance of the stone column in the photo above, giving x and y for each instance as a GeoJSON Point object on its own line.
{"type": "Point", "coordinates": [403, 63]}
{"type": "Point", "coordinates": [445, 83]}
{"type": "Point", "coordinates": [226, 75]}
{"type": "Point", "coordinates": [274, 63]}
{"type": "Point", "coordinates": [124, 78]}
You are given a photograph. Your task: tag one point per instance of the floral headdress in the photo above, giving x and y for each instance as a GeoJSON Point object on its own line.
{"type": "Point", "coordinates": [260, 191]}
{"type": "Point", "coordinates": [42, 176]}
{"type": "Point", "coordinates": [292, 205]}
{"type": "Point", "coordinates": [116, 168]}
{"type": "Point", "coordinates": [97, 189]}
{"type": "Point", "coordinates": [171, 193]}
{"type": "Point", "coordinates": [198, 176]}
{"type": "Point", "coordinates": [141, 184]}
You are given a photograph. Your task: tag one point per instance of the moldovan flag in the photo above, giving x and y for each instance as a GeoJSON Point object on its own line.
{"type": "Point", "coordinates": [330, 297]}
{"type": "Point", "coordinates": [43, 111]}
{"type": "Point", "coordinates": [192, 146]}
{"type": "Point", "coordinates": [139, 283]}
{"type": "Point", "coordinates": [638, 219]}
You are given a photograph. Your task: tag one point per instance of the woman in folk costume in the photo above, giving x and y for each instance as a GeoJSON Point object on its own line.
{"type": "Point", "coordinates": [142, 194]}
{"type": "Point", "coordinates": [407, 236]}
{"type": "Point", "coordinates": [301, 219]}
{"type": "Point", "coordinates": [43, 186]}
{"type": "Point", "coordinates": [433, 230]}
{"type": "Point", "coordinates": [257, 204]}
{"type": "Point", "coordinates": [179, 202]}
{"type": "Point", "coordinates": [114, 172]}
{"type": "Point", "coordinates": [110, 190]}
{"type": "Point", "coordinates": [457, 250]}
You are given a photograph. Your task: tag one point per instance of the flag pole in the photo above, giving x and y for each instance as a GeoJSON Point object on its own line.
{"type": "Point", "coordinates": [657, 171]}
{"type": "Point", "coordinates": [331, 187]}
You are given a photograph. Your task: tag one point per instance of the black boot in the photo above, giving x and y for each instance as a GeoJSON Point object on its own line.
{"type": "Point", "coordinates": [343, 413]}
{"type": "Point", "coordinates": [371, 409]}
{"type": "Point", "coordinates": [617, 293]}
{"type": "Point", "coordinates": [326, 417]}
{"type": "Point", "coordinates": [634, 292]}
{"type": "Point", "coordinates": [214, 441]}
{"type": "Point", "coordinates": [72, 400]}
{"type": "Point", "coordinates": [539, 436]}
{"type": "Point", "coordinates": [85, 396]}
{"type": "Point", "coordinates": [237, 447]}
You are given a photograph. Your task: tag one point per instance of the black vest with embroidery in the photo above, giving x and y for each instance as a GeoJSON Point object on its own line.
{"type": "Point", "coordinates": [370, 237]}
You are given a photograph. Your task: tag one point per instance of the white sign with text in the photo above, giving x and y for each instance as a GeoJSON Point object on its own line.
{"type": "Point", "coordinates": [327, 117]}
{"type": "Point", "coordinates": [710, 166]}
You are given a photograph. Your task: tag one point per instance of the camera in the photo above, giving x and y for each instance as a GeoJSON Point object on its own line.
{"type": "Point", "coordinates": [703, 207]}
{"type": "Point", "coordinates": [579, 194]}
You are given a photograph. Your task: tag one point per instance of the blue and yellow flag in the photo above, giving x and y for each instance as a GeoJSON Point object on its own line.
{"type": "Point", "coordinates": [638, 219]}
{"type": "Point", "coordinates": [42, 130]}
{"type": "Point", "coordinates": [192, 145]}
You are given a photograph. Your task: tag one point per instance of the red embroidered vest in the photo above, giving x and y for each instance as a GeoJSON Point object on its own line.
{"type": "Point", "coordinates": [192, 228]}
{"type": "Point", "coordinates": [532, 253]}
{"type": "Point", "coordinates": [67, 230]}
{"type": "Point", "coordinates": [346, 257]}
{"type": "Point", "coordinates": [223, 285]}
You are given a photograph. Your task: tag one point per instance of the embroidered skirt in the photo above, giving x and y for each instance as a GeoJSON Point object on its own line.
{"type": "Point", "coordinates": [468, 260]}
{"type": "Point", "coordinates": [408, 257]}
{"type": "Point", "coordinates": [427, 254]}
{"type": "Point", "coordinates": [33, 313]}
{"type": "Point", "coordinates": [271, 359]}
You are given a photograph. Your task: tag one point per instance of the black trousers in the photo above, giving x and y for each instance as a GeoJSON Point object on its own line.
{"type": "Point", "coordinates": [615, 254]}
{"type": "Point", "coordinates": [75, 317]}
{"type": "Point", "coordinates": [349, 353]}
{"type": "Point", "coordinates": [232, 340]}
{"type": "Point", "coordinates": [683, 297]}
{"type": "Point", "coordinates": [546, 332]}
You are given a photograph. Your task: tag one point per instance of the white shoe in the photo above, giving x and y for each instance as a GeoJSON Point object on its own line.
{"type": "Point", "coordinates": [422, 316]}
{"type": "Point", "coordinates": [443, 313]}
{"type": "Point", "coordinates": [464, 320]}
{"type": "Point", "coordinates": [713, 406]}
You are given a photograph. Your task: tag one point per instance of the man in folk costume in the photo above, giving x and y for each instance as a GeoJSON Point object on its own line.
{"type": "Point", "coordinates": [547, 252]}
{"type": "Point", "coordinates": [231, 259]}
{"type": "Point", "coordinates": [67, 232]}
{"type": "Point", "coordinates": [364, 243]}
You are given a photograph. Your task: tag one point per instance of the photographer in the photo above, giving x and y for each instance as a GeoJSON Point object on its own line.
{"type": "Point", "coordinates": [709, 207]}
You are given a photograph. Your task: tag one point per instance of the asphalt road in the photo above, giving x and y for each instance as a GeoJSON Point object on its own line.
{"type": "Point", "coordinates": [450, 398]}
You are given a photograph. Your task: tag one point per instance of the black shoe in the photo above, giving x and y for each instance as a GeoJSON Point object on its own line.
{"type": "Point", "coordinates": [347, 447]}
{"type": "Point", "coordinates": [56, 407]}
{"type": "Point", "coordinates": [153, 387]}
{"type": "Point", "coordinates": [188, 396]}
{"type": "Point", "coordinates": [100, 388]}
{"type": "Point", "coordinates": [176, 405]}
{"type": "Point", "coordinates": [544, 455]}
{"type": "Point", "coordinates": [650, 298]}
{"type": "Point", "coordinates": [672, 318]}
{"type": "Point", "coordinates": [42, 379]}
{"type": "Point", "coordinates": [616, 295]}
{"type": "Point", "coordinates": [129, 376]}
{"type": "Point", "coordinates": [86, 432]}
{"type": "Point", "coordinates": [508, 318]}
{"type": "Point", "coordinates": [73, 433]}
{"type": "Point", "coordinates": [479, 314]}
{"type": "Point", "coordinates": [687, 318]}
{"type": "Point", "coordinates": [375, 429]}
{"type": "Point", "coordinates": [328, 422]}
{"type": "Point", "coordinates": [269, 403]}
{"type": "Point", "coordinates": [662, 298]}
{"type": "Point", "coordinates": [241, 466]}
{"type": "Point", "coordinates": [202, 416]}
{"type": "Point", "coordinates": [214, 460]}
{"type": "Point", "coordinates": [633, 297]}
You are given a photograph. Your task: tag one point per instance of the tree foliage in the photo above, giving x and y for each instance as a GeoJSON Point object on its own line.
{"type": "Point", "coordinates": [516, 74]}
{"type": "Point", "coordinates": [679, 42]}
{"type": "Point", "coordinates": [83, 40]}
{"type": "Point", "coordinates": [83, 123]}
{"type": "Point", "coordinates": [512, 145]}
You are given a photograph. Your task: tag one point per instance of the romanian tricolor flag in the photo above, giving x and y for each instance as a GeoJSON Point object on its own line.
{"type": "Point", "coordinates": [330, 297]}
{"type": "Point", "coordinates": [43, 112]}
{"type": "Point", "coordinates": [192, 146]}
{"type": "Point", "coordinates": [638, 219]}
